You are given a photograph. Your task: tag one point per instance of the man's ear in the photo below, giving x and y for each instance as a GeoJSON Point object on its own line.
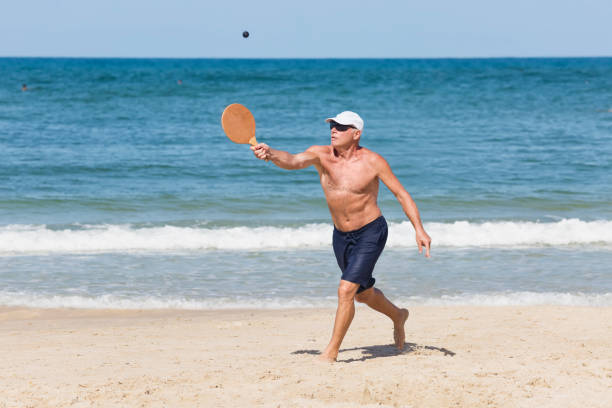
{"type": "Point", "coordinates": [357, 135]}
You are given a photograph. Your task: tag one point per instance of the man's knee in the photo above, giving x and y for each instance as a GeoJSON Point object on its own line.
{"type": "Point", "coordinates": [347, 290]}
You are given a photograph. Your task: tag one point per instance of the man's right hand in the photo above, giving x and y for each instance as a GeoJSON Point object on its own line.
{"type": "Point", "coordinates": [261, 151]}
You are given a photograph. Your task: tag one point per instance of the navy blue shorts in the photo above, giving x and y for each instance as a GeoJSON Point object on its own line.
{"type": "Point", "coordinates": [357, 252]}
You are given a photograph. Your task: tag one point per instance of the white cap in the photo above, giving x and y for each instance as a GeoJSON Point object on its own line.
{"type": "Point", "coordinates": [348, 118]}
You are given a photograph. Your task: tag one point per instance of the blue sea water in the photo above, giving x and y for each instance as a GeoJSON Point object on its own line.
{"type": "Point", "coordinates": [118, 187]}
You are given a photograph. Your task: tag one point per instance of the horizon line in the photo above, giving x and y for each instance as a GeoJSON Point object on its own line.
{"type": "Point", "coordinates": [308, 58]}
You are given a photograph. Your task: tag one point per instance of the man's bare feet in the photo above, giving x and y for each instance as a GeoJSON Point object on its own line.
{"type": "Point", "coordinates": [399, 335]}
{"type": "Point", "coordinates": [328, 355]}
{"type": "Point", "coordinates": [326, 359]}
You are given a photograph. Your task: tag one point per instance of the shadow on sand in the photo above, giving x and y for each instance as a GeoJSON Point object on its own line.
{"type": "Point", "coordinates": [388, 350]}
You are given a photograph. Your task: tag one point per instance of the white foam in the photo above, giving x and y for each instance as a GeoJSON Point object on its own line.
{"type": "Point", "coordinates": [31, 239]}
{"type": "Point", "coordinates": [517, 299]}
{"type": "Point", "coordinates": [24, 299]}
{"type": "Point", "coordinates": [108, 301]}
{"type": "Point", "coordinates": [513, 233]}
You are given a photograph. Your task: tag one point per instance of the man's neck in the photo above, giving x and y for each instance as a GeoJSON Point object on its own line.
{"type": "Point", "coordinates": [346, 152]}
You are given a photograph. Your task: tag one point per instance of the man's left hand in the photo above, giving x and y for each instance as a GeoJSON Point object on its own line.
{"type": "Point", "coordinates": [423, 241]}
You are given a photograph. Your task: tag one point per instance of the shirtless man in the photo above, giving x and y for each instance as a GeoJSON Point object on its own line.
{"type": "Point", "coordinates": [349, 176]}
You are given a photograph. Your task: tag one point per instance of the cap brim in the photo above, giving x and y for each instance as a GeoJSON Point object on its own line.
{"type": "Point", "coordinates": [337, 121]}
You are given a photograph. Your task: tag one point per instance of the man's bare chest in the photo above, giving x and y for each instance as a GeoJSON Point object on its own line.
{"type": "Point", "coordinates": [354, 178]}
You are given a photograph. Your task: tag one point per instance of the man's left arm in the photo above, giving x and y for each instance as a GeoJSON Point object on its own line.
{"type": "Point", "coordinates": [408, 205]}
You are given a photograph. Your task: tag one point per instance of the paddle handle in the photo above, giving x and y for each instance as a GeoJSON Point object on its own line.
{"type": "Point", "coordinates": [253, 142]}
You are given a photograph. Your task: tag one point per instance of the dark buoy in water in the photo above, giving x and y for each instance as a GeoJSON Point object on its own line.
{"type": "Point", "coordinates": [245, 34]}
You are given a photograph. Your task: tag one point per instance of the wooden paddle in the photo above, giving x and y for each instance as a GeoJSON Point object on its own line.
{"type": "Point", "coordinates": [239, 124]}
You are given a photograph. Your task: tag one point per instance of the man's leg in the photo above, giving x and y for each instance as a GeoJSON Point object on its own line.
{"type": "Point", "coordinates": [344, 317]}
{"type": "Point", "coordinates": [377, 300]}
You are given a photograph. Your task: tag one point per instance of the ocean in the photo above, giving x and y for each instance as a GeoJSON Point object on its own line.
{"type": "Point", "coordinates": [119, 189]}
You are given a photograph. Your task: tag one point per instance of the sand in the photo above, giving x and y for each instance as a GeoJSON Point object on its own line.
{"type": "Point", "coordinates": [536, 356]}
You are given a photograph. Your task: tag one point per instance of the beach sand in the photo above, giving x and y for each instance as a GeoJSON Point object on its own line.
{"type": "Point", "coordinates": [532, 356]}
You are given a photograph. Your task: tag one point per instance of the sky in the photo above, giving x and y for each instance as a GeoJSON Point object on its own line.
{"type": "Point", "coordinates": [306, 29]}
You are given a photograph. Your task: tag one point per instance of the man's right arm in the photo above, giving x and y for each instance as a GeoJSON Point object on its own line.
{"type": "Point", "coordinates": [286, 160]}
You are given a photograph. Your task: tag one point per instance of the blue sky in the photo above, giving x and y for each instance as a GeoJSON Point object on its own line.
{"type": "Point", "coordinates": [305, 29]}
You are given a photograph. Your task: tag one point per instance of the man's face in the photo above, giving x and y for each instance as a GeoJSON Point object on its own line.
{"type": "Point", "coordinates": [341, 135]}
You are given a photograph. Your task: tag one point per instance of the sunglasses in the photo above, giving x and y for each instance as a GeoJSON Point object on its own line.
{"type": "Point", "coordinates": [339, 127]}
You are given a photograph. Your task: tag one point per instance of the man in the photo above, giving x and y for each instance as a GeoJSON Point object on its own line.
{"type": "Point", "coordinates": [349, 175]}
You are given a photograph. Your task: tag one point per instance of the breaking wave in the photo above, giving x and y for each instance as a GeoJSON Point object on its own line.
{"type": "Point", "coordinates": [33, 239]}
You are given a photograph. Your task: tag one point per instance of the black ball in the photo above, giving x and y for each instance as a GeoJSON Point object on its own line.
{"type": "Point", "coordinates": [245, 34]}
